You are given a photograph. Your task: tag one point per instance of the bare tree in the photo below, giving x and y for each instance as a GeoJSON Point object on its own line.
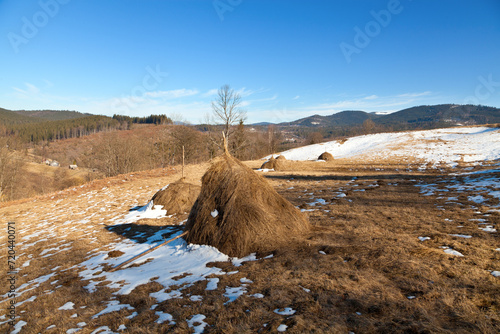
{"type": "Point", "coordinates": [239, 142]}
{"type": "Point", "coordinates": [368, 126]}
{"type": "Point", "coordinates": [226, 109]}
{"type": "Point", "coordinates": [273, 138]}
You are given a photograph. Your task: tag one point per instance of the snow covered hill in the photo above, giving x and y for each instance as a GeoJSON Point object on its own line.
{"type": "Point", "coordinates": [450, 145]}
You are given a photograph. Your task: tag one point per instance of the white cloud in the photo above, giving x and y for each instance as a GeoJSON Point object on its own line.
{"type": "Point", "coordinates": [210, 93]}
{"type": "Point", "coordinates": [414, 95]}
{"type": "Point", "coordinates": [30, 89]}
{"type": "Point", "coordinates": [172, 94]}
{"type": "Point", "coordinates": [296, 97]}
{"type": "Point", "coordinates": [245, 92]}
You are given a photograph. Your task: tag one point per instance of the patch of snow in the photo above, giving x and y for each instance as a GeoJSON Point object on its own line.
{"type": "Point", "coordinates": [212, 283]}
{"type": "Point", "coordinates": [32, 298]}
{"type": "Point", "coordinates": [113, 305]}
{"type": "Point", "coordinates": [282, 328]}
{"type": "Point", "coordinates": [239, 262]}
{"type": "Point", "coordinates": [234, 293]}
{"type": "Point", "coordinates": [73, 330]}
{"type": "Point", "coordinates": [424, 238]}
{"type": "Point", "coordinates": [149, 211]}
{"type": "Point", "coordinates": [476, 199]}
{"type": "Point", "coordinates": [67, 306]}
{"type": "Point", "coordinates": [488, 228]}
{"type": "Point", "coordinates": [196, 298]}
{"type": "Point", "coordinates": [197, 319]}
{"type": "Point", "coordinates": [461, 236]}
{"type": "Point", "coordinates": [214, 213]}
{"type": "Point", "coordinates": [285, 311]}
{"type": "Point", "coordinates": [319, 201]}
{"type": "Point", "coordinates": [165, 263]}
{"type": "Point", "coordinates": [265, 170]}
{"type": "Point", "coordinates": [245, 280]}
{"type": "Point", "coordinates": [453, 252]}
{"type": "Point", "coordinates": [133, 315]}
{"type": "Point", "coordinates": [103, 330]}
{"type": "Point", "coordinates": [17, 328]}
{"type": "Point", "coordinates": [163, 317]}
{"type": "Point", "coordinates": [496, 273]}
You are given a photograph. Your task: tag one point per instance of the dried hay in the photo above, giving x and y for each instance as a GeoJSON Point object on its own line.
{"type": "Point", "coordinates": [276, 164]}
{"type": "Point", "coordinates": [177, 197]}
{"type": "Point", "coordinates": [239, 213]}
{"type": "Point", "coordinates": [326, 156]}
{"type": "Point", "coordinates": [281, 157]}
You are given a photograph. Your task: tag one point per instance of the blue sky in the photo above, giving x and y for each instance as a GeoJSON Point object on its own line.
{"type": "Point", "coordinates": [288, 59]}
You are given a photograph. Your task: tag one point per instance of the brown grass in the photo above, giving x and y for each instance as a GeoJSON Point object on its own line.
{"type": "Point", "coordinates": [239, 213]}
{"type": "Point", "coordinates": [353, 272]}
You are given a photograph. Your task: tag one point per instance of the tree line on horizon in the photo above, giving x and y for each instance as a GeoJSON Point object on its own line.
{"type": "Point", "coordinates": [51, 130]}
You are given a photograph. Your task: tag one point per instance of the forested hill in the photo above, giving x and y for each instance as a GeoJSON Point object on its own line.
{"type": "Point", "coordinates": [36, 116]}
{"type": "Point", "coordinates": [52, 115]}
{"type": "Point", "coordinates": [47, 125]}
{"type": "Point", "coordinates": [423, 117]}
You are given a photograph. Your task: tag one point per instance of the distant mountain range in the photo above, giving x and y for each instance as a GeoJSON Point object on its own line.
{"type": "Point", "coordinates": [421, 116]}
{"type": "Point", "coordinates": [426, 116]}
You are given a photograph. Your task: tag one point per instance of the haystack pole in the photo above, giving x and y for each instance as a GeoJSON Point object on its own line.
{"type": "Point", "coordinates": [121, 265]}
{"type": "Point", "coordinates": [182, 161]}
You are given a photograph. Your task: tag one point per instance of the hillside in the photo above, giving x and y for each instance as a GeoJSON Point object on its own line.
{"type": "Point", "coordinates": [34, 126]}
{"type": "Point", "coordinates": [51, 115]}
{"type": "Point", "coordinates": [344, 118]}
{"type": "Point", "coordinates": [399, 244]}
{"type": "Point", "coordinates": [420, 116]}
{"type": "Point", "coordinates": [35, 116]}
{"type": "Point", "coordinates": [451, 145]}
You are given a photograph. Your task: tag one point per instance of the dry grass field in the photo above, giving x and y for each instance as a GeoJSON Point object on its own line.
{"type": "Point", "coordinates": [394, 248]}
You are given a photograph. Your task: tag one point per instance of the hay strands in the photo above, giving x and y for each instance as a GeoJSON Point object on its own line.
{"type": "Point", "coordinates": [121, 265]}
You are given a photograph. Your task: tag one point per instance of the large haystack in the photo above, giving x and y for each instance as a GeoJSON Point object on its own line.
{"type": "Point", "coordinates": [281, 157]}
{"type": "Point", "coordinates": [326, 156]}
{"type": "Point", "coordinates": [276, 164]}
{"type": "Point", "coordinates": [239, 213]}
{"type": "Point", "coordinates": [177, 197]}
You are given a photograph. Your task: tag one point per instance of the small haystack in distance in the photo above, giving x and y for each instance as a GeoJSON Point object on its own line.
{"type": "Point", "coordinates": [281, 157]}
{"type": "Point", "coordinates": [177, 197]}
{"type": "Point", "coordinates": [239, 213]}
{"type": "Point", "coordinates": [326, 156]}
{"type": "Point", "coordinates": [276, 164]}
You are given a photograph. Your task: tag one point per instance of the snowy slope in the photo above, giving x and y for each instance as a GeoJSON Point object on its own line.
{"type": "Point", "coordinates": [468, 144]}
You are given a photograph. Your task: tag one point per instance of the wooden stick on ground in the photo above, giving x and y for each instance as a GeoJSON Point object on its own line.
{"type": "Point", "coordinates": [121, 265]}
